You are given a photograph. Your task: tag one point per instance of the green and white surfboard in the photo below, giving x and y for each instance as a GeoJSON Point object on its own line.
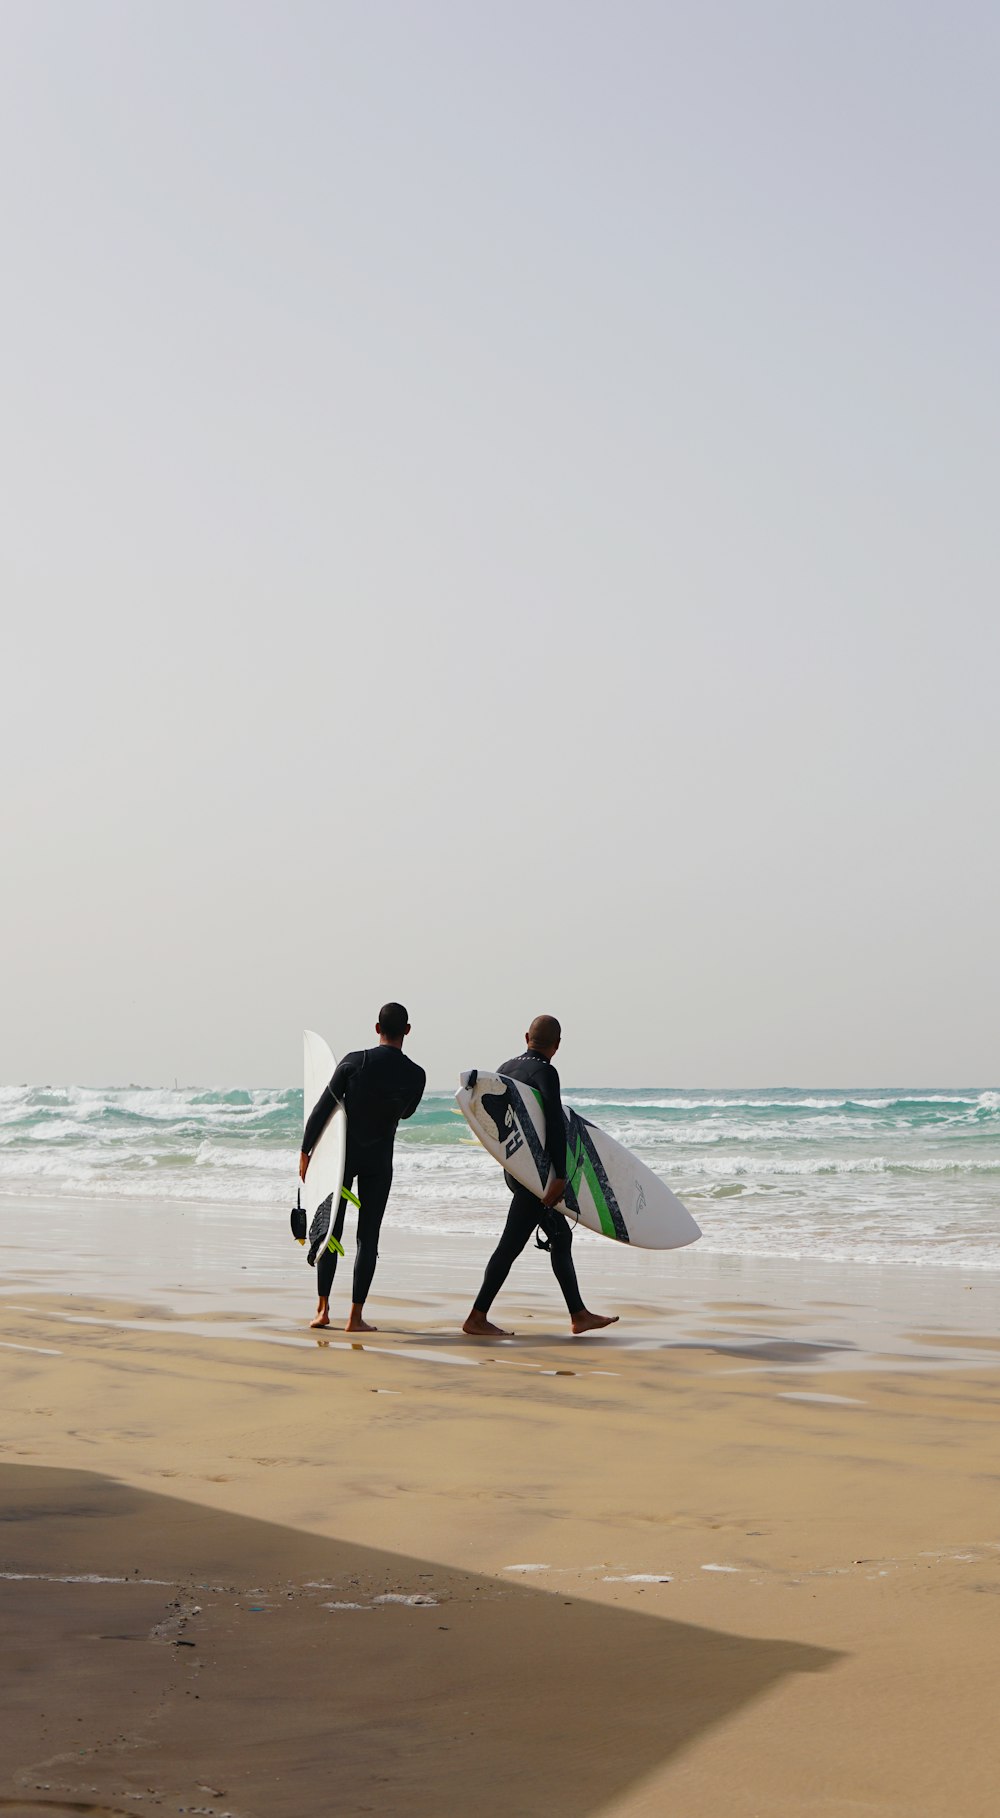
{"type": "Point", "coordinates": [608, 1189]}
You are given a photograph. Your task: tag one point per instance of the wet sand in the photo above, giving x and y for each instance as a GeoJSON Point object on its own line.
{"type": "Point", "coordinates": [233, 1264]}
{"type": "Point", "coordinates": [724, 1561]}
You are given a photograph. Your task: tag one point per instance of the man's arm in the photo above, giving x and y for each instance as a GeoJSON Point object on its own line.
{"type": "Point", "coordinates": [420, 1093]}
{"type": "Point", "coordinates": [555, 1135]}
{"type": "Point", "coordinates": [321, 1113]}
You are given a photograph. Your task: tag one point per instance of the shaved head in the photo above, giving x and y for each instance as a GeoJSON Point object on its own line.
{"type": "Point", "coordinates": [545, 1034]}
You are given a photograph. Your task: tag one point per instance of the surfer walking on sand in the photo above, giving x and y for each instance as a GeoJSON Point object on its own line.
{"type": "Point", "coordinates": [534, 1068]}
{"type": "Point", "coordinates": [377, 1087]}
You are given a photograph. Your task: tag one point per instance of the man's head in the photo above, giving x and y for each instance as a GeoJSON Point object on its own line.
{"type": "Point", "coordinates": [393, 1023]}
{"type": "Point", "coordinates": [544, 1036]}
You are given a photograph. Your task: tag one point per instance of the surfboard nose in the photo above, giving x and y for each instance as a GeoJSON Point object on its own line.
{"type": "Point", "coordinates": [468, 1080]}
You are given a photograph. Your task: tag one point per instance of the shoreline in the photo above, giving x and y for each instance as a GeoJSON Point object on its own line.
{"type": "Point", "coordinates": [215, 1269]}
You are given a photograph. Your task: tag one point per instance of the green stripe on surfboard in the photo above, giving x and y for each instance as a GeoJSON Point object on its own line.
{"type": "Point", "coordinates": [597, 1195]}
{"type": "Point", "coordinates": [581, 1161]}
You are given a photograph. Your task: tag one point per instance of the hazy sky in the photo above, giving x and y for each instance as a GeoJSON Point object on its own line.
{"type": "Point", "coordinates": [500, 510]}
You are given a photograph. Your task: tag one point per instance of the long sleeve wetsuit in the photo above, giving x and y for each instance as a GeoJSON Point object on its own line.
{"type": "Point", "coordinates": [526, 1212]}
{"type": "Point", "coordinates": [378, 1087]}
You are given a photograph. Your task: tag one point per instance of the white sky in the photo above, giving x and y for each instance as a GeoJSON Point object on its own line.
{"type": "Point", "coordinates": [499, 510]}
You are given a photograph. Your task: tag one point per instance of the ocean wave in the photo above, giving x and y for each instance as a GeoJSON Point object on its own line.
{"type": "Point", "coordinates": [282, 1107]}
{"type": "Point", "coordinates": [768, 1167]}
{"type": "Point", "coordinates": [791, 1102]}
{"type": "Point", "coordinates": [268, 1190]}
{"type": "Point", "coordinates": [899, 1172]}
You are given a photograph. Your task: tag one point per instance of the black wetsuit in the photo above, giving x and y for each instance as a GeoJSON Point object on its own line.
{"type": "Point", "coordinates": [378, 1087]}
{"type": "Point", "coordinates": [526, 1211]}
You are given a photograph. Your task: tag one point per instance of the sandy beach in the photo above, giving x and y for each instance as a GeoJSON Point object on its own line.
{"type": "Point", "coordinates": [735, 1558]}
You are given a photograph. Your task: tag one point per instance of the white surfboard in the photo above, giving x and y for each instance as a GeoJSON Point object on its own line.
{"type": "Point", "coordinates": [325, 1173]}
{"type": "Point", "coordinates": [608, 1189]}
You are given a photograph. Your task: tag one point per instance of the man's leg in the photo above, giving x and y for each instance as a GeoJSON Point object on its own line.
{"type": "Point", "coordinates": [560, 1236]}
{"type": "Point", "coordinates": [326, 1265]}
{"type": "Point", "coordinates": [373, 1192]}
{"type": "Point", "coordinates": [521, 1221]}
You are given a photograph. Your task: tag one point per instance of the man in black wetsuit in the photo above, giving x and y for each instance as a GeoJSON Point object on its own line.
{"type": "Point", "coordinates": [535, 1069]}
{"type": "Point", "coordinates": [377, 1087]}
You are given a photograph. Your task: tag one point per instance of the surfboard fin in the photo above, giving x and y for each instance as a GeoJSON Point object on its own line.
{"type": "Point", "coordinates": [334, 1244]}
{"type": "Point", "coordinates": [345, 1193]}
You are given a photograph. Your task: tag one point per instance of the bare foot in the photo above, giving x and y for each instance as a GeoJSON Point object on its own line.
{"type": "Point", "coordinates": [592, 1322]}
{"type": "Point", "coordinates": [322, 1319]}
{"type": "Point", "coordinates": [357, 1324]}
{"type": "Point", "coordinates": [478, 1326]}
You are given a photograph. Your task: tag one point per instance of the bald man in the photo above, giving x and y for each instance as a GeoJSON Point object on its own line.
{"type": "Point", "coordinates": [534, 1068]}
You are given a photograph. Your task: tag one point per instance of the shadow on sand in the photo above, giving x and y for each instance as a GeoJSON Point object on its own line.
{"type": "Point", "coordinates": [791, 1351]}
{"type": "Point", "coordinates": [229, 1685]}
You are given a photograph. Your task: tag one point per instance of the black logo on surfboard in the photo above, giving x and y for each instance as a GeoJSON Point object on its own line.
{"type": "Point", "coordinates": [498, 1107]}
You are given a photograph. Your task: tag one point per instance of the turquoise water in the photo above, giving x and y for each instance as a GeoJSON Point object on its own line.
{"type": "Point", "coordinates": [892, 1175]}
